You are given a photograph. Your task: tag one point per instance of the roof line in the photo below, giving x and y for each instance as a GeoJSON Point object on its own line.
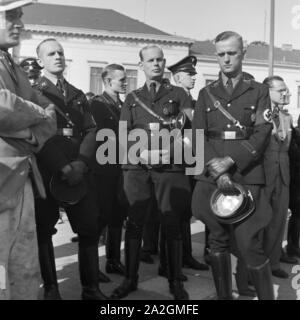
{"type": "Point", "coordinates": [107, 34]}
{"type": "Point", "coordinates": [278, 64]}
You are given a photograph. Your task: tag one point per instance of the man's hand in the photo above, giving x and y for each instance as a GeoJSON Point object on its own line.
{"type": "Point", "coordinates": [154, 157]}
{"type": "Point", "coordinates": [225, 185]}
{"type": "Point", "coordinates": [219, 166]}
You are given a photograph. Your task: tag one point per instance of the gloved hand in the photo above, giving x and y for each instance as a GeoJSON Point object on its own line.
{"type": "Point", "coordinates": [218, 166]}
{"type": "Point", "coordinates": [225, 185]}
{"type": "Point", "coordinates": [73, 172]}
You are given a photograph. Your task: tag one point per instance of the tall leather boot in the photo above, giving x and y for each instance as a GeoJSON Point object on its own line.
{"type": "Point", "coordinates": [221, 269]}
{"type": "Point", "coordinates": [48, 271]}
{"type": "Point", "coordinates": [261, 277]}
{"type": "Point", "coordinates": [242, 280]}
{"type": "Point", "coordinates": [163, 268]}
{"type": "Point", "coordinates": [88, 270]}
{"type": "Point", "coordinates": [113, 251]}
{"type": "Point", "coordinates": [206, 251]}
{"type": "Point", "coordinates": [293, 237]}
{"type": "Point", "coordinates": [188, 260]}
{"type": "Point", "coordinates": [174, 262]}
{"type": "Point", "coordinates": [132, 260]}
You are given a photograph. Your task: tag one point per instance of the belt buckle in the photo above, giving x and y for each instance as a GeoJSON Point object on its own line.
{"type": "Point", "coordinates": [67, 132]}
{"type": "Point", "coordinates": [229, 135]}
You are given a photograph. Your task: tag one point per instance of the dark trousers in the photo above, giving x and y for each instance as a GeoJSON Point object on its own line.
{"type": "Point", "coordinates": [172, 193]}
{"type": "Point", "coordinates": [83, 216]}
{"type": "Point", "coordinates": [278, 196]}
{"type": "Point", "coordinates": [248, 233]}
{"type": "Point", "coordinates": [112, 212]}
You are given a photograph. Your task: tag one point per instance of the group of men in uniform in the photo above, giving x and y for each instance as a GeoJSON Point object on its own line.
{"type": "Point", "coordinates": [243, 132]}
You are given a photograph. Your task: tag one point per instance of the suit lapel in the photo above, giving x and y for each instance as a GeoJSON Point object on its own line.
{"type": "Point", "coordinates": [46, 85]}
{"type": "Point", "coordinates": [71, 92]}
{"type": "Point", "coordinates": [144, 93]}
{"type": "Point", "coordinates": [241, 87]}
{"type": "Point", "coordinates": [162, 91]}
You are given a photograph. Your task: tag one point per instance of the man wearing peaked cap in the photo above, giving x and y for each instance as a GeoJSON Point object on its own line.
{"type": "Point", "coordinates": [32, 69]}
{"type": "Point", "coordinates": [186, 64]}
{"type": "Point", "coordinates": [26, 121]}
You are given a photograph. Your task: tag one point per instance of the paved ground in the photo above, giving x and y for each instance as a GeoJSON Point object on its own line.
{"type": "Point", "coordinates": [151, 286]}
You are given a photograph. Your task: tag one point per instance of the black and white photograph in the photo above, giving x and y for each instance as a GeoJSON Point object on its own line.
{"type": "Point", "coordinates": [149, 151]}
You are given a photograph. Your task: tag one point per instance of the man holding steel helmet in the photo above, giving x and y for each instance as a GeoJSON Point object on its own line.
{"type": "Point", "coordinates": [234, 113]}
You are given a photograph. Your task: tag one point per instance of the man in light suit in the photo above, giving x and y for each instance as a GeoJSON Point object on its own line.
{"type": "Point", "coordinates": [277, 170]}
{"type": "Point", "coordinates": [26, 122]}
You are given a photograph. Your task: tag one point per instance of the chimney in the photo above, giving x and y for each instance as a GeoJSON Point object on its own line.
{"type": "Point", "coordinates": [287, 47]}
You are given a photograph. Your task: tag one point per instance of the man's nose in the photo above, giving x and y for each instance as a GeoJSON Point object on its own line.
{"type": "Point", "coordinates": [226, 57]}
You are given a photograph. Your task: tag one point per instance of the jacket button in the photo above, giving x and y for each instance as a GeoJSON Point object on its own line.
{"type": "Point", "coordinates": [228, 105]}
{"type": "Point", "coordinates": [228, 126]}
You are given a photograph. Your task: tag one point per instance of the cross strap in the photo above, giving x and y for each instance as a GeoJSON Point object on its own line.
{"type": "Point", "coordinates": [217, 105]}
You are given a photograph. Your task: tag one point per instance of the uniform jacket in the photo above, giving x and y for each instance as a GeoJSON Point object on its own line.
{"type": "Point", "coordinates": [249, 104]}
{"type": "Point", "coordinates": [106, 113]}
{"type": "Point", "coordinates": [20, 108]}
{"type": "Point", "coordinates": [61, 150]}
{"type": "Point", "coordinates": [168, 102]}
{"type": "Point", "coordinates": [276, 157]}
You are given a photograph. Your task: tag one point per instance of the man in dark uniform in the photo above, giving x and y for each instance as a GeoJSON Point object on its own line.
{"type": "Point", "coordinates": [233, 149]}
{"type": "Point", "coordinates": [184, 74]}
{"type": "Point", "coordinates": [32, 69]}
{"type": "Point", "coordinates": [277, 171]}
{"type": "Point", "coordinates": [106, 110]}
{"type": "Point", "coordinates": [67, 155]}
{"type": "Point", "coordinates": [143, 109]}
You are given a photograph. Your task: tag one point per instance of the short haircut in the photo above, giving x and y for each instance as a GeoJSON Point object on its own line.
{"type": "Point", "coordinates": [38, 48]}
{"type": "Point", "coordinates": [111, 68]}
{"type": "Point", "coordinates": [149, 46]}
{"type": "Point", "coordinates": [227, 35]}
{"type": "Point", "coordinates": [269, 80]}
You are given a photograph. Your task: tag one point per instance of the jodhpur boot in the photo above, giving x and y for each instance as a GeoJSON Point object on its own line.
{"type": "Point", "coordinates": [48, 271]}
{"type": "Point", "coordinates": [113, 251]}
{"type": "Point", "coordinates": [163, 269]}
{"type": "Point", "coordinates": [206, 251]}
{"type": "Point", "coordinates": [88, 270]}
{"type": "Point", "coordinates": [174, 262]}
{"type": "Point", "coordinates": [221, 270]}
{"type": "Point", "coordinates": [188, 260]}
{"type": "Point", "coordinates": [262, 280]}
{"type": "Point", "coordinates": [242, 280]}
{"type": "Point", "coordinates": [293, 237]}
{"type": "Point", "coordinates": [132, 257]}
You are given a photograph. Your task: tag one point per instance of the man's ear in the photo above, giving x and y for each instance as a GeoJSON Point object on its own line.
{"type": "Point", "coordinates": [141, 65]}
{"type": "Point", "coordinates": [40, 62]}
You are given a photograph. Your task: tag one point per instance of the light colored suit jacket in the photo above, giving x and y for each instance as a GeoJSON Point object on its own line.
{"type": "Point", "coordinates": [21, 108]}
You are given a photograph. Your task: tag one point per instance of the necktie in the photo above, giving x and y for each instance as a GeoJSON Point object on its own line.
{"type": "Point", "coordinates": [229, 86]}
{"type": "Point", "coordinates": [152, 90]}
{"type": "Point", "coordinates": [60, 86]}
{"type": "Point", "coordinates": [9, 65]}
{"type": "Point", "coordinates": [275, 116]}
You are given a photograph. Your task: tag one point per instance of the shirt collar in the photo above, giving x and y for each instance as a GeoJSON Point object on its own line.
{"type": "Point", "coordinates": [53, 78]}
{"type": "Point", "coordinates": [235, 79]}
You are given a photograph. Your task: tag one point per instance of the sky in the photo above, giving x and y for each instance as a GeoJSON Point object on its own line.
{"type": "Point", "coordinates": [204, 19]}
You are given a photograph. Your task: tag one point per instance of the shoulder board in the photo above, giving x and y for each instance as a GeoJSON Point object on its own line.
{"type": "Point", "coordinates": [213, 84]}
{"type": "Point", "coordinates": [137, 91]}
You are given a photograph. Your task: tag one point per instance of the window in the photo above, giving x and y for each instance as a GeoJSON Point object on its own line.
{"type": "Point", "coordinates": [131, 80]}
{"type": "Point", "coordinates": [298, 97]}
{"type": "Point", "coordinates": [96, 85]}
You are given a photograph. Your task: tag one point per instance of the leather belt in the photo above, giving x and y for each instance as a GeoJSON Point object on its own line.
{"type": "Point", "coordinates": [230, 135]}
